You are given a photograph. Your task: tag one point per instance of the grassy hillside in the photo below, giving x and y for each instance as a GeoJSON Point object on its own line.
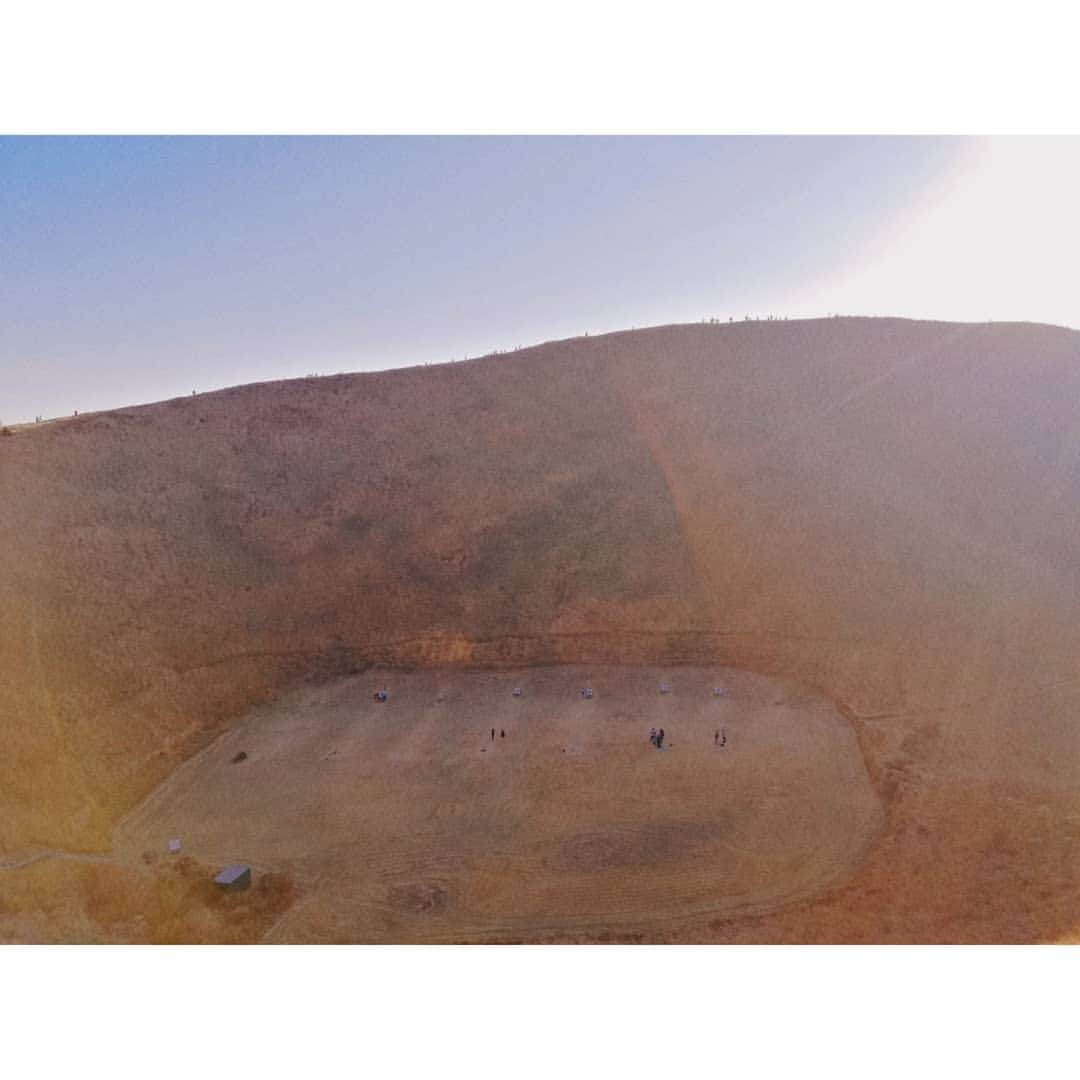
{"type": "Point", "coordinates": [884, 510]}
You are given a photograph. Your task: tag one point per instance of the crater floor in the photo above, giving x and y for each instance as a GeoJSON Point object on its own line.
{"type": "Point", "coordinates": [405, 821]}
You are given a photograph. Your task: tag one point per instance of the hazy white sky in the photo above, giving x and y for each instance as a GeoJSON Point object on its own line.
{"type": "Point", "coordinates": [995, 236]}
{"type": "Point", "coordinates": [134, 269]}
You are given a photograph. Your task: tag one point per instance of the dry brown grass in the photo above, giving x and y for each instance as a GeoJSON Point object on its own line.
{"type": "Point", "coordinates": [155, 903]}
{"type": "Point", "coordinates": [883, 510]}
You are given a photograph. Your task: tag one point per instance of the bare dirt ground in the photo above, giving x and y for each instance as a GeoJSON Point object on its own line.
{"type": "Point", "coordinates": [406, 821]}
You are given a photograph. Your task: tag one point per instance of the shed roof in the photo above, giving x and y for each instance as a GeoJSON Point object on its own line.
{"type": "Point", "coordinates": [232, 873]}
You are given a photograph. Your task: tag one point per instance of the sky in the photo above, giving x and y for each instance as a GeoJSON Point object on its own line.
{"type": "Point", "coordinates": [134, 269]}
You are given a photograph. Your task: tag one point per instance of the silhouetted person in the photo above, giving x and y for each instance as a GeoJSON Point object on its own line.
{"type": "Point", "coordinates": [716, 739]}
{"type": "Point", "coordinates": [502, 734]}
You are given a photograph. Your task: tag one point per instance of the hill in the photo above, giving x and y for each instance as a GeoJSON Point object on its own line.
{"type": "Point", "coordinates": [879, 510]}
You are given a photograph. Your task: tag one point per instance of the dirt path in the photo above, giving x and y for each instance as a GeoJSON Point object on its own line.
{"type": "Point", "coordinates": [37, 856]}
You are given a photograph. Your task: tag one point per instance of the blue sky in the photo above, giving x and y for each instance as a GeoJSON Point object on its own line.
{"type": "Point", "coordinates": [134, 269]}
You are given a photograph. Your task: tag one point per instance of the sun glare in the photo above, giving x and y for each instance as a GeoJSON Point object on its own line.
{"type": "Point", "coordinates": [995, 238]}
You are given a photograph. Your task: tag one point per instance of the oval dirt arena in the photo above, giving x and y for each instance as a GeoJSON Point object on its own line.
{"type": "Point", "coordinates": [405, 820]}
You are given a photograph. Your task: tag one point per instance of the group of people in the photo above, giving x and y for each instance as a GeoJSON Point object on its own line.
{"type": "Point", "coordinates": [656, 735]}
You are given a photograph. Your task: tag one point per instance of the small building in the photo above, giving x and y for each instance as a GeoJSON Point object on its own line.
{"type": "Point", "coordinates": [234, 878]}
{"type": "Point", "coordinates": [174, 846]}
